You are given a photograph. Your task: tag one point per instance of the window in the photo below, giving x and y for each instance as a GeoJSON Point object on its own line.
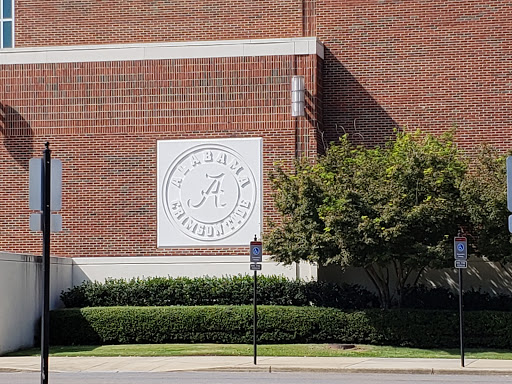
{"type": "Point", "coordinates": [7, 24]}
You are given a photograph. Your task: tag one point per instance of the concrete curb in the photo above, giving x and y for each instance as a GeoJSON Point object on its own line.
{"type": "Point", "coordinates": [265, 364]}
{"type": "Point", "coordinates": [416, 371]}
{"type": "Point", "coordinates": [270, 369]}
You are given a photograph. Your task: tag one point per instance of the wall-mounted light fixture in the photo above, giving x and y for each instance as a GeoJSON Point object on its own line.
{"type": "Point", "coordinates": [298, 91]}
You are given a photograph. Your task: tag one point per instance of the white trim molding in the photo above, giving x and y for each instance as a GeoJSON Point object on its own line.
{"type": "Point", "coordinates": [163, 51]}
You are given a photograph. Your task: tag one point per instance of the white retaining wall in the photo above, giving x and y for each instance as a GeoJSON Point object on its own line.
{"type": "Point", "coordinates": [100, 268]}
{"type": "Point", "coordinates": [480, 275]}
{"type": "Point", "coordinates": [21, 296]}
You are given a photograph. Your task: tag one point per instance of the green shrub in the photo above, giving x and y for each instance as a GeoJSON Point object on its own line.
{"type": "Point", "coordinates": [278, 324]}
{"type": "Point", "coordinates": [421, 297]}
{"type": "Point", "coordinates": [236, 290]}
{"type": "Point", "coordinates": [272, 290]}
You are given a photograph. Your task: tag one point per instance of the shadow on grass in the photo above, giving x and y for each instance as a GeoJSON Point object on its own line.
{"type": "Point", "coordinates": [310, 350]}
{"type": "Point", "coordinates": [56, 350]}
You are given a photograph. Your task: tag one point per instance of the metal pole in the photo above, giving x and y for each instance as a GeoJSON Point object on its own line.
{"type": "Point", "coordinates": [255, 318]}
{"type": "Point", "coordinates": [45, 319]}
{"type": "Point", "coordinates": [461, 317]}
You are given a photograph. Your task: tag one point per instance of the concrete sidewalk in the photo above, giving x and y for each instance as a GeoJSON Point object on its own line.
{"type": "Point", "coordinates": [267, 364]}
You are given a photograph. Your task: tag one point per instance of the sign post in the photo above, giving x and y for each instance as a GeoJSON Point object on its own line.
{"type": "Point", "coordinates": [255, 258]}
{"type": "Point", "coordinates": [45, 195]}
{"type": "Point", "coordinates": [460, 252]}
{"type": "Point", "coordinates": [509, 191]}
{"type": "Point", "coordinates": [45, 322]}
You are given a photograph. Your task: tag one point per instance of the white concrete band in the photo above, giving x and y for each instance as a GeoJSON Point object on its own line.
{"type": "Point", "coordinates": [163, 51]}
{"type": "Point", "coordinates": [101, 268]}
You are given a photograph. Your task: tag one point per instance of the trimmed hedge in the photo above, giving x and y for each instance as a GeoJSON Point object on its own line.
{"type": "Point", "coordinates": [272, 290]}
{"type": "Point", "coordinates": [278, 324]}
{"type": "Point", "coordinates": [235, 290]}
{"type": "Point", "coordinates": [421, 297]}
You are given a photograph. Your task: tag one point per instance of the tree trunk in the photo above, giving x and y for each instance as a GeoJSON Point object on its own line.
{"type": "Point", "coordinates": [381, 282]}
{"type": "Point", "coordinates": [382, 285]}
{"type": "Point", "coordinates": [402, 275]}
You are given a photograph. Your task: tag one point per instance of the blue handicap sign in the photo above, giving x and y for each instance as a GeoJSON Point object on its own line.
{"type": "Point", "coordinates": [460, 248]}
{"type": "Point", "coordinates": [256, 251]}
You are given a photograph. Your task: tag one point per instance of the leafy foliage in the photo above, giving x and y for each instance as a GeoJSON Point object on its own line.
{"type": "Point", "coordinates": [234, 290]}
{"type": "Point", "coordinates": [272, 290]}
{"type": "Point", "coordinates": [484, 191]}
{"type": "Point", "coordinates": [392, 211]}
{"type": "Point", "coordinates": [233, 324]}
{"type": "Point", "coordinates": [421, 297]}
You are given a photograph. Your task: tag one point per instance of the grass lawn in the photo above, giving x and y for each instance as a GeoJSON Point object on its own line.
{"type": "Point", "coordinates": [263, 350]}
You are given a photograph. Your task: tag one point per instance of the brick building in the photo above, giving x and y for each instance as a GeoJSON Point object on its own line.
{"type": "Point", "coordinates": [105, 81]}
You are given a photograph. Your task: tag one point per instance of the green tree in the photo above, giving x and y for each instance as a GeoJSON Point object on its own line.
{"type": "Point", "coordinates": [392, 211]}
{"type": "Point", "coordinates": [484, 191]}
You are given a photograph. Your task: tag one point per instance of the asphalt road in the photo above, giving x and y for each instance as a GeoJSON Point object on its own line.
{"type": "Point", "coordinates": [246, 378]}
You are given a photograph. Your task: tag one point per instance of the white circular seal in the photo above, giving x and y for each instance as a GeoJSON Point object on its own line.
{"type": "Point", "coordinates": [209, 192]}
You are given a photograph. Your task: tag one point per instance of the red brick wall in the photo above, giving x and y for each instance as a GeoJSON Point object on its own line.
{"type": "Point", "coordinates": [103, 120]}
{"type": "Point", "coordinates": [64, 22]}
{"type": "Point", "coordinates": [427, 64]}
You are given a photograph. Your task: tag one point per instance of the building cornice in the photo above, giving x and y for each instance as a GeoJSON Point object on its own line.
{"type": "Point", "coordinates": [163, 51]}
